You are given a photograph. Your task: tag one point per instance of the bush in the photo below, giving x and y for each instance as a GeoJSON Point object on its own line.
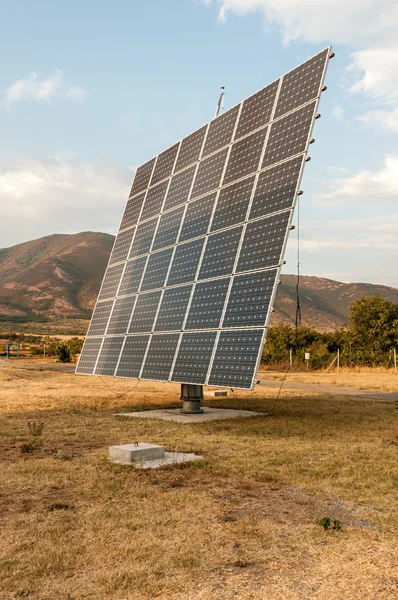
{"type": "Point", "coordinates": [63, 353]}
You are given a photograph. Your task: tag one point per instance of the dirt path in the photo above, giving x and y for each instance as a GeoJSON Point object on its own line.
{"type": "Point", "coordinates": [337, 390]}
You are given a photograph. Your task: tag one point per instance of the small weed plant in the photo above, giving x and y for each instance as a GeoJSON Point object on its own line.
{"type": "Point", "coordinates": [328, 523]}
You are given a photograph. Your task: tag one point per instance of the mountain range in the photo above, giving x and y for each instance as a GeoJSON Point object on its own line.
{"type": "Point", "coordinates": [56, 279]}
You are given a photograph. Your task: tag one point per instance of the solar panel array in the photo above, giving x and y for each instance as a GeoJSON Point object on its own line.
{"type": "Point", "coordinates": [191, 280]}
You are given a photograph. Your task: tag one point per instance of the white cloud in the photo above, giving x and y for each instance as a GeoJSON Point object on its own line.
{"type": "Point", "coordinates": [59, 195]}
{"type": "Point", "coordinates": [370, 186]}
{"type": "Point", "coordinates": [342, 170]}
{"type": "Point", "coordinates": [368, 26]}
{"type": "Point", "coordinates": [382, 119]}
{"type": "Point", "coordinates": [33, 88]}
{"type": "Point", "coordinates": [337, 112]}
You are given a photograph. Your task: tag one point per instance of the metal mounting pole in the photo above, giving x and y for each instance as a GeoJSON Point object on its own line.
{"type": "Point", "coordinates": [220, 103]}
{"type": "Point", "coordinates": [191, 396]}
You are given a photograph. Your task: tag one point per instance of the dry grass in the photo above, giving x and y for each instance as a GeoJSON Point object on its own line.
{"type": "Point", "coordinates": [362, 378]}
{"type": "Point", "coordinates": [239, 524]}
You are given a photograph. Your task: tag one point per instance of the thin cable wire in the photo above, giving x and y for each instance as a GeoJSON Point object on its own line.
{"type": "Point", "coordinates": [124, 393]}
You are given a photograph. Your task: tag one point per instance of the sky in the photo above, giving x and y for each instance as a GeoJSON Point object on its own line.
{"type": "Point", "coordinates": [90, 90]}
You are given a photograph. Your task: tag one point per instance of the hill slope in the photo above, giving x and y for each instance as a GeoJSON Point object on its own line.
{"type": "Point", "coordinates": [58, 277]}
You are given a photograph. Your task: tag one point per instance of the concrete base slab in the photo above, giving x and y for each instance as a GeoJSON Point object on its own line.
{"type": "Point", "coordinates": [170, 458]}
{"type": "Point", "coordinates": [209, 414]}
{"type": "Point", "coordinates": [130, 453]}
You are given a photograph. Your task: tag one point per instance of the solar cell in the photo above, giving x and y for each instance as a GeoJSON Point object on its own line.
{"type": "Point", "coordinates": [257, 110]}
{"type": "Point", "coordinates": [179, 188]}
{"type": "Point", "coordinates": [192, 276]}
{"type": "Point", "coordinates": [249, 299]}
{"type": "Point", "coordinates": [190, 148]}
{"type": "Point", "coordinates": [197, 217]}
{"type": "Point", "coordinates": [276, 188]}
{"type": "Point", "coordinates": [100, 317]}
{"type": "Point", "coordinates": [109, 356]}
{"type": "Point", "coordinates": [220, 131]}
{"type": "Point", "coordinates": [159, 360]}
{"type": "Point", "coordinates": [235, 359]}
{"type": "Point", "coordinates": [173, 308]}
{"type": "Point", "coordinates": [143, 238]}
{"type": "Point", "coordinates": [121, 315]}
{"type": "Point", "coordinates": [185, 262]}
{"type": "Point", "coordinates": [302, 84]}
{"type": "Point", "coordinates": [132, 276]}
{"type": "Point", "coordinates": [220, 253]}
{"type": "Point", "coordinates": [209, 173]}
{"type": "Point", "coordinates": [142, 177]}
{"type": "Point", "coordinates": [193, 357]}
{"type": "Point", "coordinates": [89, 356]}
{"type": "Point", "coordinates": [245, 156]}
{"type": "Point", "coordinates": [111, 281]}
{"type": "Point", "coordinates": [144, 312]}
{"type": "Point", "coordinates": [232, 204]}
{"type": "Point", "coordinates": [164, 164]}
{"type": "Point", "coordinates": [154, 200]}
{"type": "Point", "coordinates": [132, 356]}
{"type": "Point", "coordinates": [168, 229]}
{"type": "Point", "coordinates": [289, 136]}
{"type": "Point", "coordinates": [132, 212]}
{"type": "Point", "coordinates": [207, 304]}
{"type": "Point", "coordinates": [263, 242]}
{"type": "Point", "coordinates": [122, 246]}
{"type": "Point", "coordinates": [156, 271]}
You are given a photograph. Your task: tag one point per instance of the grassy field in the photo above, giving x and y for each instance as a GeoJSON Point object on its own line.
{"type": "Point", "coordinates": [241, 523]}
{"type": "Point", "coordinates": [362, 378]}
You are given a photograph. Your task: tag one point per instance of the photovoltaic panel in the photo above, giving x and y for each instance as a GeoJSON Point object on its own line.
{"type": "Point", "coordinates": [122, 246]}
{"type": "Point", "coordinates": [169, 226]}
{"type": "Point", "coordinates": [221, 131]}
{"type": "Point", "coordinates": [121, 315]}
{"type": "Point", "coordinates": [109, 356]}
{"type": "Point", "coordinates": [232, 204]}
{"type": "Point", "coordinates": [173, 308]}
{"type": "Point", "coordinates": [236, 358]}
{"type": "Point", "coordinates": [263, 242]}
{"type": "Point", "coordinates": [132, 212]}
{"type": "Point", "coordinates": [209, 173]}
{"type": "Point", "coordinates": [179, 188]}
{"type": "Point", "coordinates": [142, 177]}
{"type": "Point", "coordinates": [160, 357]}
{"type": "Point", "coordinates": [249, 300]}
{"type": "Point", "coordinates": [156, 270]}
{"type": "Point", "coordinates": [193, 357]}
{"type": "Point", "coordinates": [111, 281]}
{"type": "Point", "coordinates": [190, 148]}
{"type": "Point", "coordinates": [154, 201]}
{"type": "Point", "coordinates": [132, 356]}
{"type": "Point", "coordinates": [207, 304]}
{"type": "Point", "coordinates": [245, 156]}
{"type": "Point", "coordinates": [220, 253]}
{"type": "Point", "coordinates": [132, 276]}
{"type": "Point", "coordinates": [276, 188]}
{"type": "Point", "coordinates": [145, 312]}
{"type": "Point", "coordinates": [192, 277]}
{"type": "Point", "coordinates": [185, 262]}
{"type": "Point", "coordinates": [143, 237]}
{"type": "Point", "coordinates": [164, 164]}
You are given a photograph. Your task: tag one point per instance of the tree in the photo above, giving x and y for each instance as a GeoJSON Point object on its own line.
{"type": "Point", "coordinates": [374, 329]}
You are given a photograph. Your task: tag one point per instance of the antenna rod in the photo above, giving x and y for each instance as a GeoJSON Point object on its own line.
{"type": "Point", "coordinates": [220, 103]}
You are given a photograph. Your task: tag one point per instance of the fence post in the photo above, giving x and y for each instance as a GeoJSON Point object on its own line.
{"type": "Point", "coordinates": [338, 360]}
{"type": "Point", "coordinates": [291, 358]}
{"type": "Point", "coordinates": [395, 360]}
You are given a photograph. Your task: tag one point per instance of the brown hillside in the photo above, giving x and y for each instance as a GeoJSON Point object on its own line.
{"type": "Point", "coordinates": [58, 277]}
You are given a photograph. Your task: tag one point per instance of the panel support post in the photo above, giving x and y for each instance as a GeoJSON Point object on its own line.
{"type": "Point", "coordinates": [191, 396]}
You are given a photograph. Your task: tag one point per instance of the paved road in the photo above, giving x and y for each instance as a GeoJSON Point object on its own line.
{"type": "Point", "coordinates": [322, 388]}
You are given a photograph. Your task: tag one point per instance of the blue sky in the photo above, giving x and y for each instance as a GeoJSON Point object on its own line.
{"type": "Point", "coordinates": [89, 90]}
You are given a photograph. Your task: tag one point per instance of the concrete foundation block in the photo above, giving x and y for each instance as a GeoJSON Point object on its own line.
{"type": "Point", "coordinates": [130, 453]}
{"type": "Point", "coordinates": [216, 394]}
